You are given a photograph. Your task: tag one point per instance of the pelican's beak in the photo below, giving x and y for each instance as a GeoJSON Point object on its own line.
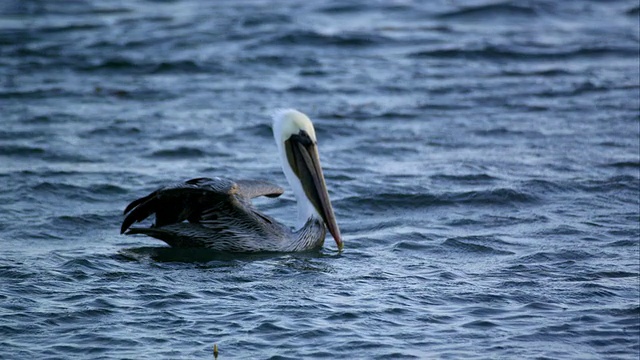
{"type": "Point", "coordinates": [302, 154]}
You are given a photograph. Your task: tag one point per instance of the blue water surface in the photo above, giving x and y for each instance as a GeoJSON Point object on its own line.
{"type": "Point", "coordinates": [483, 158]}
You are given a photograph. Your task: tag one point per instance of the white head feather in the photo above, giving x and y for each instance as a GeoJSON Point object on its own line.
{"type": "Point", "coordinates": [287, 122]}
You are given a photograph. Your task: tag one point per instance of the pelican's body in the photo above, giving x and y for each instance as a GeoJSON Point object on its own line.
{"type": "Point", "coordinates": [219, 214]}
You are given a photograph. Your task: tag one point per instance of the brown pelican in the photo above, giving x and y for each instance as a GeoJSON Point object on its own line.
{"type": "Point", "coordinates": [219, 214]}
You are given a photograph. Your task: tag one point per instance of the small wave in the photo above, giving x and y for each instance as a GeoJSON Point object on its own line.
{"type": "Point", "coordinates": [80, 263]}
{"type": "Point", "coordinates": [113, 130]}
{"type": "Point", "coordinates": [16, 134]}
{"type": "Point", "coordinates": [358, 113]}
{"type": "Point", "coordinates": [262, 18]}
{"type": "Point", "coordinates": [623, 243]}
{"type": "Point", "coordinates": [339, 8]}
{"type": "Point", "coordinates": [112, 64]}
{"type": "Point", "coordinates": [518, 53]}
{"type": "Point", "coordinates": [467, 178]}
{"type": "Point", "coordinates": [469, 244]}
{"type": "Point", "coordinates": [184, 67]}
{"type": "Point", "coordinates": [598, 290]}
{"type": "Point", "coordinates": [538, 306]}
{"type": "Point", "coordinates": [625, 164]}
{"type": "Point", "coordinates": [49, 173]}
{"type": "Point", "coordinates": [183, 135]}
{"type": "Point", "coordinates": [71, 224]}
{"type": "Point", "coordinates": [503, 131]}
{"type": "Point", "coordinates": [13, 273]}
{"type": "Point", "coordinates": [498, 196]}
{"type": "Point", "coordinates": [498, 221]}
{"type": "Point", "coordinates": [560, 230]}
{"type": "Point", "coordinates": [21, 150]}
{"type": "Point", "coordinates": [51, 118]}
{"type": "Point", "coordinates": [70, 28]}
{"type": "Point", "coordinates": [179, 152]}
{"type": "Point", "coordinates": [491, 11]}
{"type": "Point", "coordinates": [103, 189]}
{"type": "Point", "coordinates": [165, 254]}
{"type": "Point", "coordinates": [342, 8]}
{"type": "Point", "coordinates": [306, 89]}
{"type": "Point", "coordinates": [480, 324]}
{"type": "Point", "coordinates": [259, 130]}
{"type": "Point", "coordinates": [91, 193]}
{"type": "Point", "coordinates": [615, 183]}
{"type": "Point", "coordinates": [27, 151]}
{"type": "Point", "coordinates": [614, 274]}
{"type": "Point", "coordinates": [588, 86]}
{"type": "Point", "coordinates": [561, 255]}
{"type": "Point", "coordinates": [313, 72]}
{"type": "Point", "coordinates": [41, 92]}
{"type": "Point", "coordinates": [149, 67]}
{"type": "Point", "coordinates": [312, 38]}
{"type": "Point", "coordinates": [280, 60]}
{"type": "Point", "coordinates": [543, 73]}
{"type": "Point", "coordinates": [410, 245]}
{"type": "Point", "coordinates": [502, 196]}
{"type": "Point", "coordinates": [541, 186]}
{"type": "Point", "coordinates": [86, 9]}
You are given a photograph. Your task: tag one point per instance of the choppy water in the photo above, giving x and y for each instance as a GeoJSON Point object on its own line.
{"type": "Point", "coordinates": [483, 160]}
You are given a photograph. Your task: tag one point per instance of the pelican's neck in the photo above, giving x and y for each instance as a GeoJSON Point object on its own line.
{"type": "Point", "coordinates": [306, 210]}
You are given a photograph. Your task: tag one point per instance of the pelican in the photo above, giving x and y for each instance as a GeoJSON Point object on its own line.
{"type": "Point", "coordinates": [217, 213]}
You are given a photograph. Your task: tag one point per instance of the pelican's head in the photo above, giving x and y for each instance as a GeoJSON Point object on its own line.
{"type": "Point", "coordinates": [296, 140]}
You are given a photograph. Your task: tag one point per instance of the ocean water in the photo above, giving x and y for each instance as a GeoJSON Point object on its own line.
{"type": "Point", "coordinates": [483, 159]}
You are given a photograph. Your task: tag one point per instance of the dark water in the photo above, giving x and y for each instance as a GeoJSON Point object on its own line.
{"type": "Point", "coordinates": [483, 159]}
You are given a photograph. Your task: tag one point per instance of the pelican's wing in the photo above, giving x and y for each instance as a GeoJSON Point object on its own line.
{"type": "Point", "coordinates": [210, 202]}
{"type": "Point", "coordinates": [255, 188]}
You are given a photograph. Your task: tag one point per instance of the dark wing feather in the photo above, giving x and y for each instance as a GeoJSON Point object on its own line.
{"type": "Point", "coordinates": [200, 199]}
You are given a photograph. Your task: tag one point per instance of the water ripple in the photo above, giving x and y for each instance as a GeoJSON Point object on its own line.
{"type": "Point", "coordinates": [484, 175]}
